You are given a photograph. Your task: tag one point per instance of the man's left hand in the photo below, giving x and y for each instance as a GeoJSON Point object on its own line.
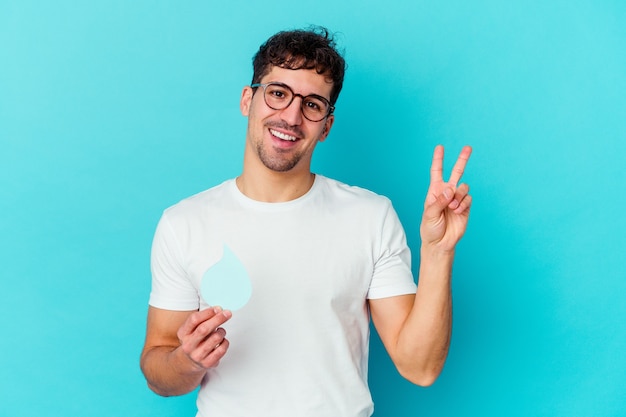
{"type": "Point", "coordinates": [447, 205]}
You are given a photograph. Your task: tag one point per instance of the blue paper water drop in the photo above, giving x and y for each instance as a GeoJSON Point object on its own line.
{"type": "Point", "coordinates": [226, 283]}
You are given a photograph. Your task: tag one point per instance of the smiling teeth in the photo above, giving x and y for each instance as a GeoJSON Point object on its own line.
{"type": "Point", "coordinates": [282, 136]}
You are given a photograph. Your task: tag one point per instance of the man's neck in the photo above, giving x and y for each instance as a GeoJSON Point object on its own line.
{"type": "Point", "coordinates": [275, 187]}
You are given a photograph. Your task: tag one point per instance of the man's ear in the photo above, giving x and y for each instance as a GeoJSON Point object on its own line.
{"type": "Point", "coordinates": [246, 100]}
{"type": "Point", "coordinates": [328, 123]}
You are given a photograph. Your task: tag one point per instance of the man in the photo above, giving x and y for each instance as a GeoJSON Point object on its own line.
{"type": "Point", "coordinates": [321, 257]}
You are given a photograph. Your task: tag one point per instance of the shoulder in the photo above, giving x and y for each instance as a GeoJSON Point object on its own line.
{"type": "Point", "coordinates": [200, 202]}
{"type": "Point", "coordinates": [351, 194]}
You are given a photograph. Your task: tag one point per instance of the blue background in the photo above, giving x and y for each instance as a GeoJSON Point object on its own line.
{"type": "Point", "coordinates": [111, 111]}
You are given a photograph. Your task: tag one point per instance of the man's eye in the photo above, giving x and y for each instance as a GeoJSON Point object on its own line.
{"type": "Point", "coordinates": [278, 94]}
{"type": "Point", "coordinates": [313, 105]}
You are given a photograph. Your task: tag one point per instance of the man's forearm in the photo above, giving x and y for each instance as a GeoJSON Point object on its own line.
{"type": "Point", "coordinates": [169, 372]}
{"type": "Point", "coordinates": [425, 337]}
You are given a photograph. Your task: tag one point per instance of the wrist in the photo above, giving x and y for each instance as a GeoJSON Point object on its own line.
{"type": "Point", "coordinates": [435, 253]}
{"type": "Point", "coordinates": [435, 264]}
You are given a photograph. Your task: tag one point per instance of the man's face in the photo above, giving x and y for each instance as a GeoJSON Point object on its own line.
{"type": "Point", "coordinates": [284, 140]}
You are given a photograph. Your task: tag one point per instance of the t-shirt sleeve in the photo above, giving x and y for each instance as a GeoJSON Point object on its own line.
{"type": "Point", "coordinates": [392, 269]}
{"type": "Point", "coordinates": [171, 287]}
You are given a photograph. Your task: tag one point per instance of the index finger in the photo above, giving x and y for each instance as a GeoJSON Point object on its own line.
{"type": "Point", "coordinates": [459, 166]}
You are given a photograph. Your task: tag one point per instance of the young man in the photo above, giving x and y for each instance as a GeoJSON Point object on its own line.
{"type": "Point", "coordinates": [321, 256]}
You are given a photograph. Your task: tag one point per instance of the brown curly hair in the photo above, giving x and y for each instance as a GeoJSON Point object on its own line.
{"type": "Point", "coordinates": [313, 48]}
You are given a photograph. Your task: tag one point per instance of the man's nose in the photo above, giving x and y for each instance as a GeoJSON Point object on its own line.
{"type": "Point", "coordinates": [292, 114]}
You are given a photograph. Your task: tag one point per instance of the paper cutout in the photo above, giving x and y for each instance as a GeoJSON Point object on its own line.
{"type": "Point", "coordinates": [226, 283]}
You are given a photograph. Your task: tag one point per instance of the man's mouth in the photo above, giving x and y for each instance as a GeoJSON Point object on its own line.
{"type": "Point", "coordinates": [282, 136]}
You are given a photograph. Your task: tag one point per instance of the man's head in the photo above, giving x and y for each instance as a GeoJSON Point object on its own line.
{"type": "Point", "coordinates": [302, 49]}
{"type": "Point", "coordinates": [296, 73]}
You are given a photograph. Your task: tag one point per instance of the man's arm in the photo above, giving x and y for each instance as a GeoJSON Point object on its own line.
{"type": "Point", "coordinates": [416, 329]}
{"type": "Point", "coordinates": [180, 346]}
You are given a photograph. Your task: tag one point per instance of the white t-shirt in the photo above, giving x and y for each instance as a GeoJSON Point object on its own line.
{"type": "Point", "coordinates": [299, 347]}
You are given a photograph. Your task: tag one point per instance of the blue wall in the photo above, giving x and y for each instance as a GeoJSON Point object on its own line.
{"type": "Point", "coordinates": [111, 111]}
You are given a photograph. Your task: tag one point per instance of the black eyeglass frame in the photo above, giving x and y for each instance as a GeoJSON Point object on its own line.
{"type": "Point", "coordinates": [330, 107]}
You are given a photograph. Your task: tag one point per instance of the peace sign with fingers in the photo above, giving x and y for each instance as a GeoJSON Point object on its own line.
{"type": "Point", "coordinates": [447, 205]}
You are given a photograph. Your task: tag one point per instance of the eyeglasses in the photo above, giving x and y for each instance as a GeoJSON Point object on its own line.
{"type": "Point", "coordinates": [278, 96]}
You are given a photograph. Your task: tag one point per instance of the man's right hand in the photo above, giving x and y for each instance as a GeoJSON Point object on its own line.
{"type": "Point", "coordinates": [180, 346]}
{"type": "Point", "coordinates": [202, 339]}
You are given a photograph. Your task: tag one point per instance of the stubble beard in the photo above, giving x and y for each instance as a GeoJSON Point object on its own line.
{"type": "Point", "coordinates": [282, 161]}
{"type": "Point", "coordinates": [276, 159]}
